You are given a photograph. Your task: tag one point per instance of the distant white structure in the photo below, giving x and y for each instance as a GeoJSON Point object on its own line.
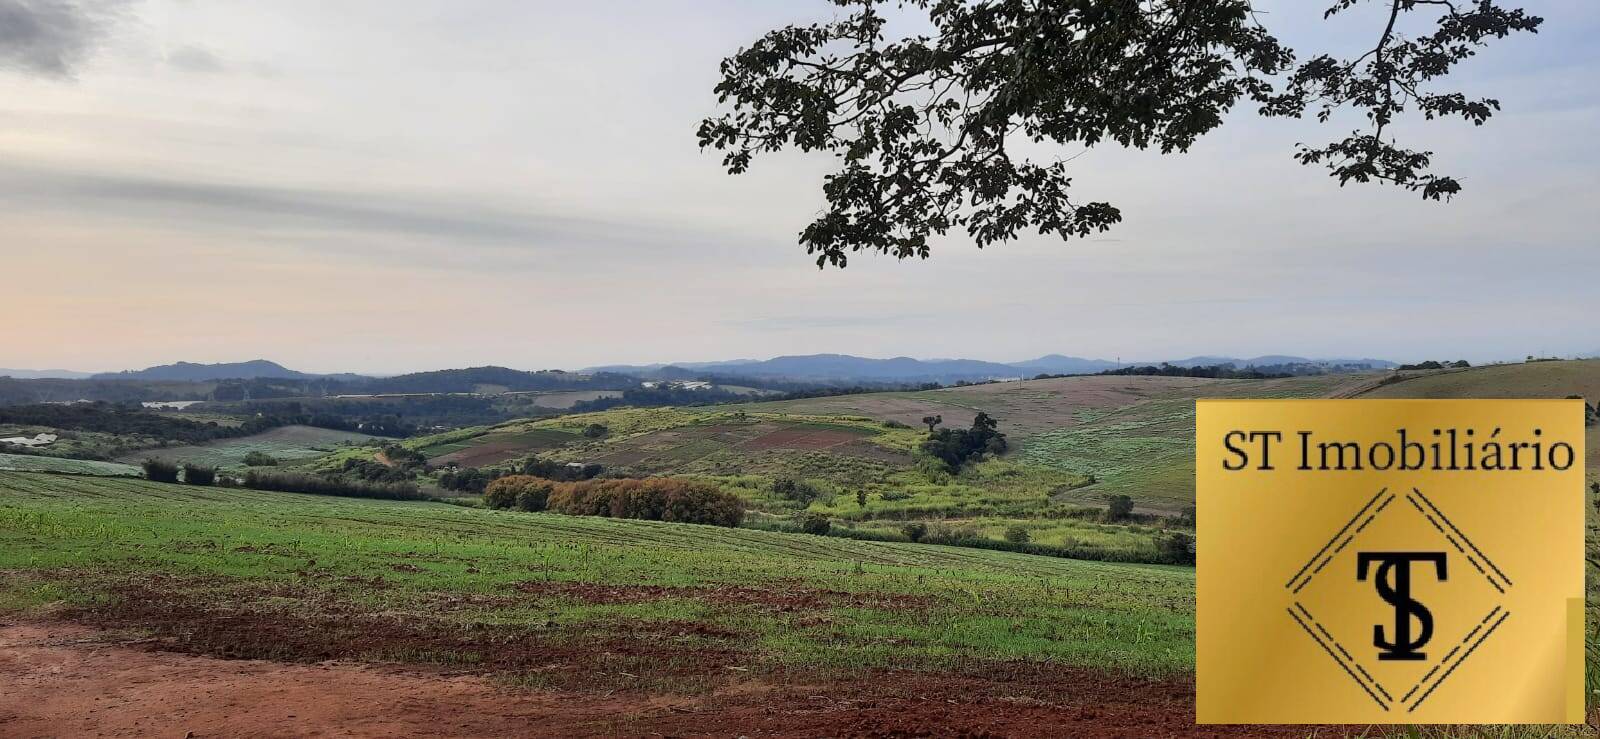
{"type": "Point", "coordinates": [679, 384]}
{"type": "Point", "coordinates": [176, 405]}
{"type": "Point", "coordinates": [37, 441]}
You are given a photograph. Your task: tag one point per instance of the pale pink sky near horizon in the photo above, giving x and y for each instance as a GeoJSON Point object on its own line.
{"type": "Point", "coordinates": [383, 187]}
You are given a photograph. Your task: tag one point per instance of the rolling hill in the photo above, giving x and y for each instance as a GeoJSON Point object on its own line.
{"type": "Point", "coordinates": [253, 369]}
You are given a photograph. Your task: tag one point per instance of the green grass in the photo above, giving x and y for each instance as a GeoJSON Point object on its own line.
{"type": "Point", "coordinates": [32, 463]}
{"type": "Point", "coordinates": [287, 443]}
{"type": "Point", "coordinates": [79, 539]}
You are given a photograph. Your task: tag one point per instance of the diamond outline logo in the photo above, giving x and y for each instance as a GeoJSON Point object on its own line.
{"type": "Point", "coordinates": [1348, 663]}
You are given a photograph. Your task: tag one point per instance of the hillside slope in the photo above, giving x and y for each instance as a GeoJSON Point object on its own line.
{"type": "Point", "coordinates": [1531, 380]}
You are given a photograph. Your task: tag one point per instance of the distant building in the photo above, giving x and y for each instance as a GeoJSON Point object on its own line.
{"type": "Point", "coordinates": [676, 384]}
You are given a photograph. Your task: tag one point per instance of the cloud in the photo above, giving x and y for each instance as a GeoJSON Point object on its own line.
{"type": "Point", "coordinates": [195, 59]}
{"type": "Point", "coordinates": [50, 38]}
{"type": "Point", "coordinates": [425, 227]}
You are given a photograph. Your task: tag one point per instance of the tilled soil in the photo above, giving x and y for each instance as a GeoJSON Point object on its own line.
{"type": "Point", "coordinates": [61, 679]}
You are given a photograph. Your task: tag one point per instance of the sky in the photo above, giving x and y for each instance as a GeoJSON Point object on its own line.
{"type": "Point", "coordinates": [394, 185]}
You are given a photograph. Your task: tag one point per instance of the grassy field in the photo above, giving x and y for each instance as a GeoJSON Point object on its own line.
{"type": "Point", "coordinates": [287, 443]}
{"type": "Point", "coordinates": [34, 463]}
{"type": "Point", "coordinates": [1531, 380]}
{"type": "Point", "coordinates": [233, 570]}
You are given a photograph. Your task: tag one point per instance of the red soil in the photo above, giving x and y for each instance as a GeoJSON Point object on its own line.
{"type": "Point", "coordinates": [803, 438]}
{"type": "Point", "coordinates": [58, 679]}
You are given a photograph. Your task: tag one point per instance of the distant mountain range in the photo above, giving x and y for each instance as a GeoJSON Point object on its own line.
{"type": "Point", "coordinates": [816, 368]}
{"type": "Point", "coordinates": [189, 371]}
{"type": "Point", "coordinates": [1277, 359]}
{"type": "Point", "coordinates": [46, 374]}
{"type": "Point", "coordinates": [844, 367]}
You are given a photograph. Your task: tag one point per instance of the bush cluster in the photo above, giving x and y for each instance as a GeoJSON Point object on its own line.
{"type": "Point", "coordinates": [260, 459]}
{"type": "Point", "coordinates": [372, 470]}
{"type": "Point", "coordinates": [291, 482]}
{"type": "Point", "coordinates": [195, 474]}
{"type": "Point", "coordinates": [522, 492]}
{"type": "Point", "coordinates": [157, 470]}
{"type": "Point", "coordinates": [651, 499]}
{"type": "Point", "coordinates": [799, 492]}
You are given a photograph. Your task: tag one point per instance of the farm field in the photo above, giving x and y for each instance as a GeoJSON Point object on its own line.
{"type": "Point", "coordinates": [549, 602]}
{"type": "Point", "coordinates": [36, 463]}
{"type": "Point", "coordinates": [91, 538]}
{"type": "Point", "coordinates": [287, 443]}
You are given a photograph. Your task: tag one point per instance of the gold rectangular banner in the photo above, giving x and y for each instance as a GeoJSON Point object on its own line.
{"type": "Point", "coordinates": [1389, 561]}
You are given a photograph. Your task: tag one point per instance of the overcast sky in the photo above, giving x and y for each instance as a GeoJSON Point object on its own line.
{"type": "Point", "coordinates": [391, 185]}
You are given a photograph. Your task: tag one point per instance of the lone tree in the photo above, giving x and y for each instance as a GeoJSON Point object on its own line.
{"type": "Point", "coordinates": [926, 127]}
{"type": "Point", "coordinates": [932, 421]}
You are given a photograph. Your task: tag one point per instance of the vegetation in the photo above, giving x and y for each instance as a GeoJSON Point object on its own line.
{"type": "Point", "coordinates": [652, 499]}
{"type": "Point", "coordinates": [97, 542]}
{"type": "Point", "coordinates": [954, 448]}
{"type": "Point", "coordinates": [1435, 365]}
{"type": "Point", "coordinates": [157, 470]}
{"type": "Point", "coordinates": [295, 482]}
{"type": "Point", "coordinates": [257, 458]}
{"type": "Point", "coordinates": [195, 474]}
{"type": "Point", "coordinates": [33, 463]}
{"type": "Point", "coordinates": [284, 444]}
{"type": "Point", "coordinates": [921, 124]}
{"type": "Point", "coordinates": [1218, 371]}
{"type": "Point", "coordinates": [522, 492]}
{"type": "Point", "coordinates": [128, 421]}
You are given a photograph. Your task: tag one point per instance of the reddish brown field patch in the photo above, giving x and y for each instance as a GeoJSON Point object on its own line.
{"type": "Point", "coordinates": [804, 437]}
{"type": "Point", "coordinates": [60, 679]}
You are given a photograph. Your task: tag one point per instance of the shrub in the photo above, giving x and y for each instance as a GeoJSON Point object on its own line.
{"type": "Point", "coordinates": [522, 492]}
{"type": "Point", "coordinates": [260, 459]}
{"type": "Point", "coordinates": [195, 474]}
{"type": "Point", "coordinates": [1178, 548]}
{"type": "Point", "coordinates": [157, 470]}
{"type": "Point", "coordinates": [654, 499]}
{"type": "Point", "coordinates": [469, 480]}
{"type": "Point", "coordinates": [1018, 535]}
{"type": "Point", "coordinates": [799, 492]}
{"type": "Point", "coordinates": [951, 534]}
{"type": "Point", "coordinates": [892, 424]}
{"type": "Point", "coordinates": [892, 495]}
{"type": "Point", "coordinates": [1119, 507]}
{"type": "Point", "coordinates": [372, 470]}
{"type": "Point", "coordinates": [560, 471]}
{"type": "Point", "coordinates": [815, 523]}
{"type": "Point", "coordinates": [293, 482]}
{"type": "Point", "coordinates": [595, 430]}
{"type": "Point", "coordinates": [915, 530]}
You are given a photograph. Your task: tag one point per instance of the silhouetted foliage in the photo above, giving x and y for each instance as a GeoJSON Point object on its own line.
{"type": "Point", "coordinates": [926, 128]}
